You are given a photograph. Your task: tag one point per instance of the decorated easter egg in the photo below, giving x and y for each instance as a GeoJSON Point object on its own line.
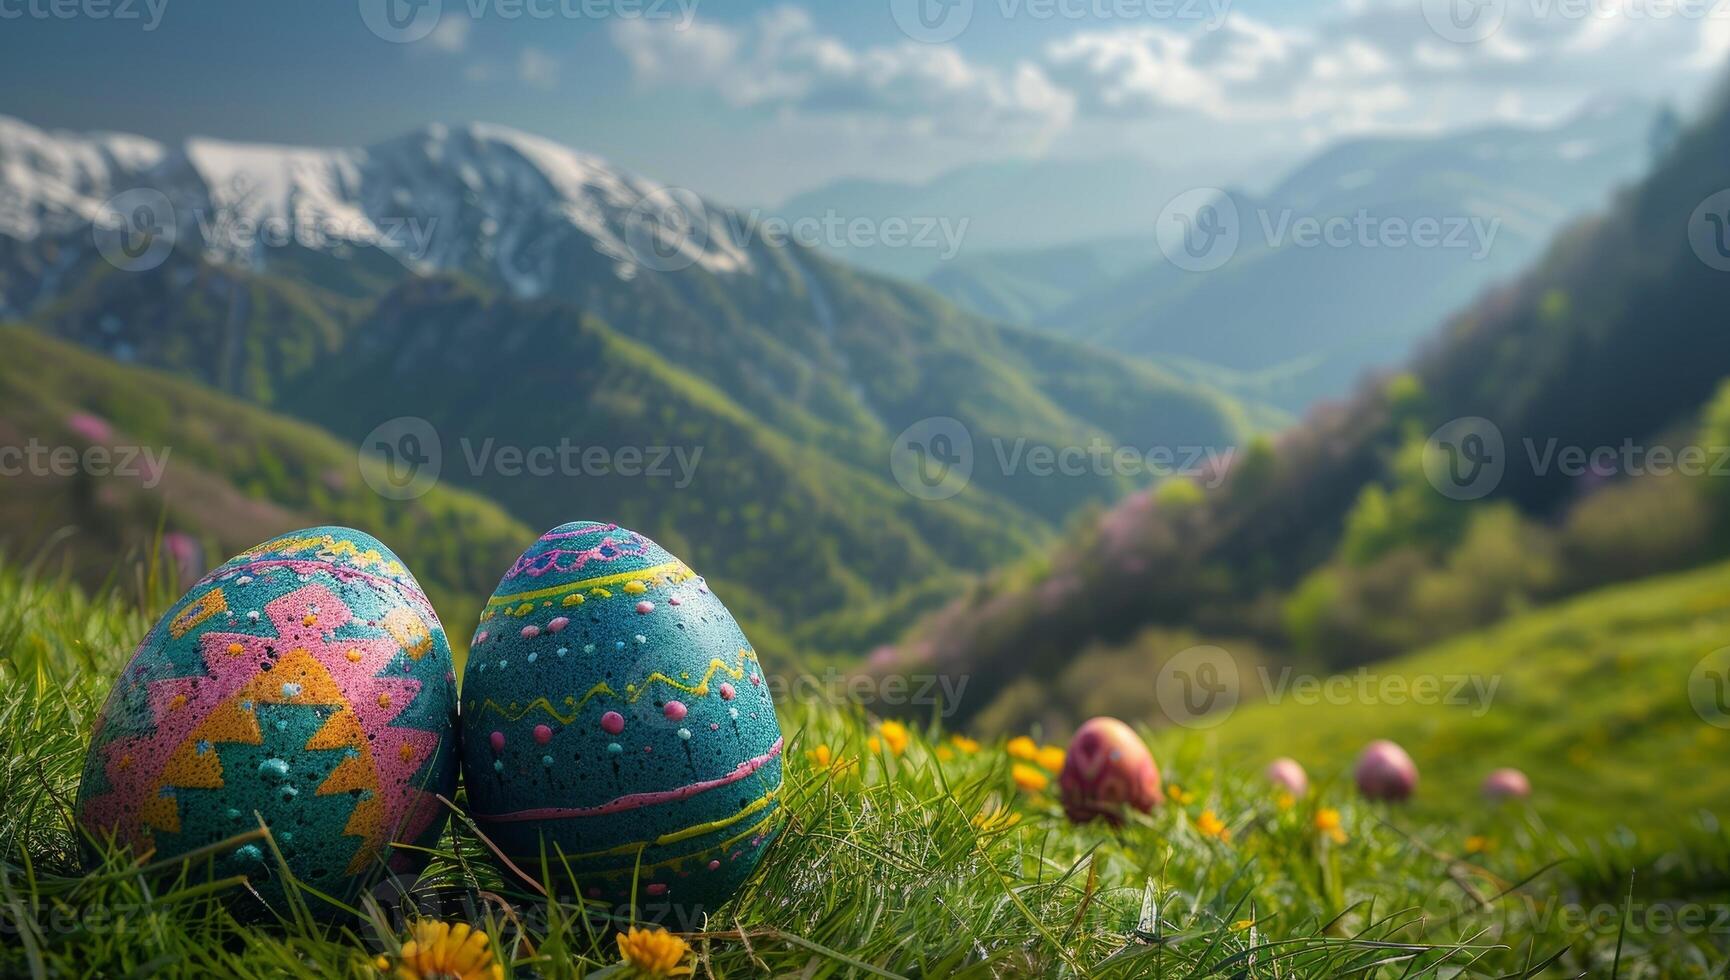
{"type": "Point", "coordinates": [1107, 769]}
{"type": "Point", "coordinates": [1506, 784]}
{"type": "Point", "coordinates": [1289, 775]}
{"type": "Point", "coordinates": [1386, 772]}
{"type": "Point", "coordinates": [619, 736]}
{"type": "Point", "coordinates": [304, 686]}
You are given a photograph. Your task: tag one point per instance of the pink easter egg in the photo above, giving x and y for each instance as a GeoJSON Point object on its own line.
{"type": "Point", "coordinates": [1386, 772]}
{"type": "Point", "coordinates": [1106, 769]}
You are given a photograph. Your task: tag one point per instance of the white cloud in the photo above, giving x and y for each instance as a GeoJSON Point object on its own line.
{"type": "Point", "coordinates": [783, 63]}
{"type": "Point", "coordinates": [451, 35]}
{"type": "Point", "coordinates": [536, 68]}
{"type": "Point", "coordinates": [1377, 65]}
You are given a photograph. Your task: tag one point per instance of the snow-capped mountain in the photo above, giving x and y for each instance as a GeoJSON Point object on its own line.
{"type": "Point", "coordinates": [483, 199]}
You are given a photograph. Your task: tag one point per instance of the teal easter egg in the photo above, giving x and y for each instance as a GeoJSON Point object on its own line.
{"type": "Point", "coordinates": [306, 685]}
{"type": "Point", "coordinates": [617, 726]}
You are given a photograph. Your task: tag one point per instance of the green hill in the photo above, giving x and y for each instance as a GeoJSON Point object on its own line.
{"type": "Point", "coordinates": [230, 475]}
{"type": "Point", "coordinates": [1591, 698]}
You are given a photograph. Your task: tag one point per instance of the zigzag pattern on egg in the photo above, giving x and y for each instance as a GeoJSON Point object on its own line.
{"type": "Point", "coordinates": [619, 725]}
{"type": "Point", "coordinates": [336, 681]}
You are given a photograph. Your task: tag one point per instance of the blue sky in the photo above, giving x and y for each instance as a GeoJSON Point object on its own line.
{"type": "Point", "coordinates": [751, 100]}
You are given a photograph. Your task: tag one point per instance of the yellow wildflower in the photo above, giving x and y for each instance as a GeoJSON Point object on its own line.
{"type": "Point", "coordinates": [442, 951]}
{"type": "Point", "coordinates": [1286, 801]}
{"type": "Point", "coordinates": [825, 759]}
{"type": "Point", "coordinates": [1179, 795]}
{"type": "Point", "coordinates": [654, 953]}
{"type": "Point", "coordinates": [894, 735]}
{"type": "Point", "coordinates": [1242, 924]}
{"type": "Point", "coordinates": [965, 744]}
{"type": "Point", "coordinates": [996, 818]}
{"type": "Point", "coordinates": [1023, 748]}
{"type": "Point", "coordinates": [1028, 778]}
{"type": "Point", "coordinates": [1050, 758]}
{"type": "Point", "coordinates": [1210, 825]}
{"type": "Point", "coordinates": [1479, 844]}
{"type": "Point", "coordinates": [1328, 822]}
{"type": "Point", "coordinates": [945, 753]}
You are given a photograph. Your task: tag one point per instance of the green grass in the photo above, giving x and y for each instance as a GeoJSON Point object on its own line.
{"type": "Point", "coordinates": [1591, 698]}
{"type": "Point", "coordinates": [883, 871]}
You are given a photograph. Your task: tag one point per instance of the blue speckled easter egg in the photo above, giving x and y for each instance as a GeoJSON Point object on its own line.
{"type": "Point", "coordinates": [306, 684]}
{"type": "Point", "coordinates": [616, 722]}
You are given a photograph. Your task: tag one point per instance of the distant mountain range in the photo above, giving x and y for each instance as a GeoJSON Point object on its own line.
{"type": "Point", "coordinates": [505, 288]}
{"type": "Point", "coordinates": [1289, 322]}
{"type": "Point", "coordinates": [1016, 205]}
{"type": "Point", "coordinates": [1611, 340]}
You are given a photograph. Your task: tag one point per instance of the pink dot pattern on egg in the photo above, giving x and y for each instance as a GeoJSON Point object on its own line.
{"type": "Point", "coordinates": [675, 711]}
{"type": "Point", "coordinates": [558, 624]}
{"type": "Point", "coordinates": [543, 734]}
{"type": "Point", "coordinates": [657, 888]}
{"type": "Point", "coordinates": [645, 607]}
{"type": "Point", "coordinates": [498, 741]}
{"type": "Point", "coordinates": [530, 632]}
{"type": "Point", "coordinates": [1106, 769]}
{"type": "Point", "coordinates": [727, 692]}
{"type": "Point", "coordinates": [714, 865]}
{"type": "Point", "coordinates": [612, 723]}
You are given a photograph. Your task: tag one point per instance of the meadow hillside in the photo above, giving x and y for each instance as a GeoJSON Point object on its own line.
{"type": "Point", "coordinates": [1341, 542]}
{"type": "Point", "coordinates": [909, 853]}
{"type": "Point", "coordinates": [161, 461]}
{"type": "Point", "coordinates": [1607, 700]}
